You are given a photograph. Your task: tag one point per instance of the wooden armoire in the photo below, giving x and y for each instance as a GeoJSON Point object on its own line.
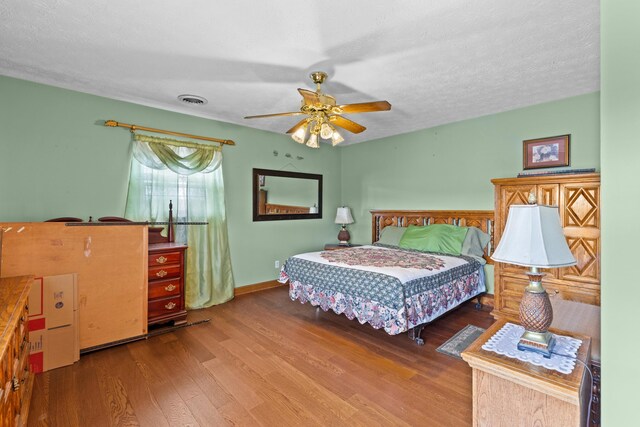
{"type": "Point", "coordinates": [578, 200]}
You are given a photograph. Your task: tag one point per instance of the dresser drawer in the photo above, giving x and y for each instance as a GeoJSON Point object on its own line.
{"type": "Point", "coordinates": [164, 306]}
{"type": "Point", "coordinates": [164, 272]}
{"type": "Point", "coordinates": [512, 289]}
{"type": "Point", "coordinates": [165, 258]}
{"type": "Point", "coordinates": [164, 288]}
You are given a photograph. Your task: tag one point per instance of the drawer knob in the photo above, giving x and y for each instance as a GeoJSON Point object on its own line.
{"type": "Point", "coordinates": [170, 305]}
{"type": "Point", "coordinates": [170, 287]}
{"type": "Point", "coordinates": [161, 273]}
{"type": "Point", "coordinates": [161, 260]}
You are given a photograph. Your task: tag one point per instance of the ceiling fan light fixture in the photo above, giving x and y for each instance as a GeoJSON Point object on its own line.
{"type": "Point", "coordinates": [336, 138]}
{"type": "Point", "coordinates": [324, 115]}
{"type": "Point", "coordinates": [300, 135]}
{"type": "Point", "coordinates": [326, 131]}
{"type": "Point", "coordinates": [313, 141]}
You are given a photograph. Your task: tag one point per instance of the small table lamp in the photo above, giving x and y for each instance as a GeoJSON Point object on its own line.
{"type": "Point", "coordinates": [533, 238]}
{"type": "Point", "coordinates": [343, 216]}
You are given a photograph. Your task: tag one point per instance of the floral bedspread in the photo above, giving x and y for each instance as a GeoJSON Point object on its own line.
{"type": "Point", "coordinates": [393, 297]}
{"type": "Point", "coordinates": [380, 257]}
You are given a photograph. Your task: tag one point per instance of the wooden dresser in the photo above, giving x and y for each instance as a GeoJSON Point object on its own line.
{"type": "Point", "coordinates": [16, 380]}
{"type": "Point", "coordinates": [166, 283]}
{"type": "Point", "coordinates": [578, 200]}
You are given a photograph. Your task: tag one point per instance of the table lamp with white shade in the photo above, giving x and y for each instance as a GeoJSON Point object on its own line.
{"type": "Point", "coordinates": [343, 216]}
{"type": "Point", "coordinates": [533, 238]}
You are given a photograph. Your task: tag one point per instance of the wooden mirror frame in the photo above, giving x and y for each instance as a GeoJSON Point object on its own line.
{"type": "Point", "coordinates": [280, 217]}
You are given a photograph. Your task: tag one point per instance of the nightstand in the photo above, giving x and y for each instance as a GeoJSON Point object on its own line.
{"type": "Point", "coordinates": [335, 246]}
{"type": "Point", "coordinates": [509, 392]}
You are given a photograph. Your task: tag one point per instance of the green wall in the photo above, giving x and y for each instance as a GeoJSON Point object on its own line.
{"type": "Point", "coordinates": [56, 159]}
{"type": "Point", "coordinates": [451, 166]}
{"type": "Point", "coordinates": [620, 65]}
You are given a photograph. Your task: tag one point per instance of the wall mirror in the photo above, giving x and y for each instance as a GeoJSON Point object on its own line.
{"type": "Point", "coordinates": [282, 195]}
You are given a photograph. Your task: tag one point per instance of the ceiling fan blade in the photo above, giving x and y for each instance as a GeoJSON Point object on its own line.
{"type": "Point", "coordinates": [310, 97]}
{"type": "Point", "coordinates": [298, 125]}
{"type": "Point", "coordinates": [296, 113]}
{"type": "Point", "coordinates": [366, 107]}
{"type": "Point", "coordinates": [347, 124]}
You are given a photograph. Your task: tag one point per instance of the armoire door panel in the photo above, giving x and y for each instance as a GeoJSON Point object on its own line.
{"type": "Point", "coordinates": [581, 206]}
{"type": "Point", "coordinates": [585, 251]}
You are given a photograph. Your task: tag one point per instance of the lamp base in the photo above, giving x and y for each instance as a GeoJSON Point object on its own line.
{"type": "Point", "coordinates": [536, 315]}
{"type": "Point", "coordinates": [344, 236]}
{"type": "Point", "coordinates": [542, 343]}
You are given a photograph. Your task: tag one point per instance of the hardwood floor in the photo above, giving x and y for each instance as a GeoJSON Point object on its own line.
{"type": "Point", "coordinates": [265, 360]}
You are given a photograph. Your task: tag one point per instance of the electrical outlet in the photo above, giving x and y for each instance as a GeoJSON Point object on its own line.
{"type": "Point", "coordinates": [277, 264]}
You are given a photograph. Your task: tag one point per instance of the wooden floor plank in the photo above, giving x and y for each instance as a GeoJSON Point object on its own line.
{"type": "Point", "coordinates": [204, 412]}
{"type": "Point", "coordinates": [115, 396]}
{"type": "Point", "coordinates": [127, 370]}
{"type": "Point", "coordinates": [235, 415]}
{"type": "Point", "coordinates": [370, 414]}
{"type": "Point", "coordinates": [266, 360]}
{"type": "Point", "coordinates": [232, 379]}
{"type": "Point", "coordinates": [210, 388]}
{"type": "Point", "coordinates": [159, 379]}
{"type": "Point", "coordinates": [63, 411]}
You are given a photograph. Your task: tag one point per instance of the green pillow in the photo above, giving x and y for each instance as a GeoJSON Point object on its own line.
{"type": "Point", "coordinates": [442, 238]}
{"type": "Point", "coordinates": [391, 235]}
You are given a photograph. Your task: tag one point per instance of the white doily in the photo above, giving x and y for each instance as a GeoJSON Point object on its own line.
{"type": "Point", "coordinates": [505, 342]}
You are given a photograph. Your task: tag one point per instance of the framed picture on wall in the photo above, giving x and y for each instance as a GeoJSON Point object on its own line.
{"type": "Point", "coordinates": [551, 152]}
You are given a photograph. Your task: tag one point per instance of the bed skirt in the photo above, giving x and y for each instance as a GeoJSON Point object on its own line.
{"type": "Point", "coordinates": [418, 309]}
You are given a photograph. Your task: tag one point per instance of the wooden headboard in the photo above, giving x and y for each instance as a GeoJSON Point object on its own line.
{"type": "Point", "coordinates": [480, 219]}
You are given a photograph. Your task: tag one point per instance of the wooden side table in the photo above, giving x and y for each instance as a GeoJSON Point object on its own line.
{"type": "Point", "coordinates": [335, 246]}
{"type": "Point", "coordinates": [508, 392]}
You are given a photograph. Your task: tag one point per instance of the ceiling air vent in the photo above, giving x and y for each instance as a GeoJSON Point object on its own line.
{"type": "Point", "coordinates": [192, 99]}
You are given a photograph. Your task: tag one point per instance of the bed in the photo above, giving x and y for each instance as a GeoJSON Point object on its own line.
{"type": "Point", "coordinates": [397, 289]}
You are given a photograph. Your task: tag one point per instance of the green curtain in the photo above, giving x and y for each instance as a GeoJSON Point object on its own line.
{"type": "Point", "coordinates": [182, 157]}
{"type": "Point", "coordinates": [197, 197]}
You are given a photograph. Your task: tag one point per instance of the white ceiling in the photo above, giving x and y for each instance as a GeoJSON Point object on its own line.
{"type": "Point", "coordinates": [436, 62]}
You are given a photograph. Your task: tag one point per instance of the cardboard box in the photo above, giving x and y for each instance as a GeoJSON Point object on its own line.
{"type": "Point", "coordinates": [53, 322]}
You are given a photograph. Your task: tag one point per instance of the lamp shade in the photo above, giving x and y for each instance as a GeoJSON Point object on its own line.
{"type": "Point", "coordinates": [343, 216]}
{"type": "Point", "coordinates": [533, 237]}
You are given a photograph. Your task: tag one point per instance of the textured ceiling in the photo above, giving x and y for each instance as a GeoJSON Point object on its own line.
{"type": "Point", "coordinates": [436, 62]}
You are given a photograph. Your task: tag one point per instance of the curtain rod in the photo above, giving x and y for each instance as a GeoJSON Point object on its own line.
{"type": "Point", "coordinates": [113, 123]}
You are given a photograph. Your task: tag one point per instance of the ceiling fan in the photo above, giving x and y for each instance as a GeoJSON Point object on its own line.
{"type": "Point", "coordinates": [323, 115]}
